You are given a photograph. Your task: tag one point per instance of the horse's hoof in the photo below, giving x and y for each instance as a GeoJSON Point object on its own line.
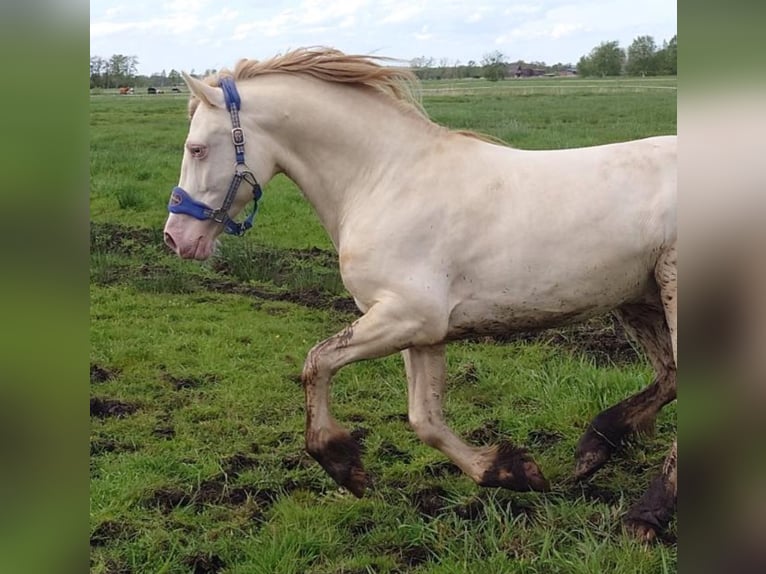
{"type": "Point", "coordinates": [340, 458]}
{"type": "Point", "coordinates": [513, 468]}
{"type": "Point", "coordinates": [593, 451]}
{"type": "Point", "coordinates": [640, 530]}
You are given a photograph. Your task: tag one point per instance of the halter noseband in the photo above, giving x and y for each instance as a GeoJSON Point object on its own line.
{"type": "Point", "coordinates": [181, 202]}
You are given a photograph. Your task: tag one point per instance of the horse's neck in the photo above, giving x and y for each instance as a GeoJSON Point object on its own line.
{"type": "Point", "coordinates": [337, 143]}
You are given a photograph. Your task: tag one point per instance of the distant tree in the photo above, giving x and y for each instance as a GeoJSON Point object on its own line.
{"type": "Point", "coordinates": [493, 64]}
{"type": "Point", "coordinates": [642, 57]}
{"type": "Point", "coordinates": [98, 67]}
{"type": "Point", "coordinates": [606, 59]}
{"type": "Point", "coordinates": [667, 57]}
{"type": "Point", "coordinates": [174, 77]}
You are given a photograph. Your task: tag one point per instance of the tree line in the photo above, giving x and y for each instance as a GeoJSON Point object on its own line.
{"type": "Point", "coordinates": [121, 70]}
{"type": "Point", "coordinates": [642, 58]}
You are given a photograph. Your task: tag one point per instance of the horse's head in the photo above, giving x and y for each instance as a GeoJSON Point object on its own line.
{"type": "Point", "coordinates": [216, 183]}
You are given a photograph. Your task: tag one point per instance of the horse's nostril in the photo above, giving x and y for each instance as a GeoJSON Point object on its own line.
{"type": "Point", "coordinates": [169, 241]}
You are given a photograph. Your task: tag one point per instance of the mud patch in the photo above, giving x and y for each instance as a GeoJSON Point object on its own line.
{"type": "Point", "coordinates": [592, 492]}
{"type": "Point", "coordinates": [388, 452]}
{"type": "Point", "coordinates": [361, 527]}
{"type": "Point", "coordinates": [110, 530]}
{"type": "Point", "coordinates": [400, 417]}
{"type": "Point", "coordinates": [294, 461]}
{"type": "Point", "coordinates": [543, 438]}
{"type": "Point", "coordinates": [164, 432]}
{"type": "Point", "coordinates": [441, 469]}
{"type": "Point", "coordinates": [191, 382]}
{"type": "Point", "coordinates": [238, 462]}
{"type": "Point", "coordinates": [100, 446]}
{"type": "Point", "coordinates": [429, 501]}
{"type": "Point", "coordinates": [414, 556]}
{"type": "Point", "coordinates": [214, 491]}
{"type": "Point", "coordinates": [467, 374]}
{"type": "Point", "coordinates": [601, 339]}
{"type": "Point", "coordinates": [360, 434]}
{"type": "Point", "coordinates": [204, 563]}
{"type": "Point", "coordinates": [99, 374]}
{"type": "Point", "coordinates": [114, 567]}
{"type": "Point", "coordinates": [102, 408]}
{"type": "Point", "coordinates": [485, 435]}
{"type": "Point", "coordinates": [473, 510]}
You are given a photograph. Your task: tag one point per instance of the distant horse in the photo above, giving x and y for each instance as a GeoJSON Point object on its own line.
{"type": "Point", "coordinates": [441, 236]}
{"type": "Point", "coordinates": [125, 90]}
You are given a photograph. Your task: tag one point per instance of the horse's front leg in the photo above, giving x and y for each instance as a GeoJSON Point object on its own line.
{"type": "Point", "coordinates": [384, 329]}
{"type": "Point", "coordinates": [500, 465]}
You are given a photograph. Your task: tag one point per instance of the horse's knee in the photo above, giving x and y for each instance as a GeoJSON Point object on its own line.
{"type": "Point", "coordinates": [315, 365]}
{"type": "Point", "coordinates": [426, 430]}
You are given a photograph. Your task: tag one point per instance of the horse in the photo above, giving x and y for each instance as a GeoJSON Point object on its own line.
{"type": "Point", "coordinates": [441, 235]}
{"type": "Point", "coordinates": [124, 90]}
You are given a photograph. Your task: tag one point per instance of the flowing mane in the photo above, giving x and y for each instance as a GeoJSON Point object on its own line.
{"type": "Point", "coordinates": [332, 65]}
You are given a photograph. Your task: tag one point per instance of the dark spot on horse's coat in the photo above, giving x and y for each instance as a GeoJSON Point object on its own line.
{"type": "Point", "coordinates": [102, 408]}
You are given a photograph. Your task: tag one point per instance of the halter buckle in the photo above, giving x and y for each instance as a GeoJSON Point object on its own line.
{"type": "Point", "coordinates": [238, 136]}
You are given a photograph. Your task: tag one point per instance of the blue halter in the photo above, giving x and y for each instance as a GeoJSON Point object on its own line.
{"type": "Point", "coordinates": [181, 202]}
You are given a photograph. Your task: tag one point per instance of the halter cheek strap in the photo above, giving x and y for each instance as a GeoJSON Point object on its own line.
{"type": "Point", "coordinates": [180, 200]}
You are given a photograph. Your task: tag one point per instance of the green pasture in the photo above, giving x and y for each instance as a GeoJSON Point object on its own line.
{"type": "Point", "coordinates": [197, 461]}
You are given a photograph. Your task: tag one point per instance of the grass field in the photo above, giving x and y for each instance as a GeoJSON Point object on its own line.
{"type": "Point", "coordinates": [197, 461]}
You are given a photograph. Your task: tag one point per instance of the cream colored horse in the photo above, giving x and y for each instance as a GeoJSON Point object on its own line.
{"type": "Point", "coordinates": [442, 235]}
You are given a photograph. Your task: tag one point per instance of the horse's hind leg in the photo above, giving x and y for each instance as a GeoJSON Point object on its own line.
{"type": "Point", "coordinates": [498, 465]}
{"type": "Point", "coordinates": [655, 508]}
{"type": "Point", "coordinates": [646, 324]}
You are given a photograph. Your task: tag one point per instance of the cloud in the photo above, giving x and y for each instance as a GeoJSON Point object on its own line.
{"type": "Point", "coordinates": [400, 12]}
{"type": "Point", "coordinates": [424, 34]}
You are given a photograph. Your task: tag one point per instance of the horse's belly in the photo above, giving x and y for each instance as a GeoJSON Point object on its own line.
{"type": "Point", "coordinates": [500, 311]}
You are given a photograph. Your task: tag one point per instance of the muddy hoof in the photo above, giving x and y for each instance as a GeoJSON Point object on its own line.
{"type": "Point", "coordinates": [513, 468]}
{"type": "Point", "coordinates": [641, 530]}
{"type": "Point", "coordinates": [593, 451]}
{"type": "Point", "coordinates": [340, 458]}
{"type": "Point", "coordinates": [651, 514]}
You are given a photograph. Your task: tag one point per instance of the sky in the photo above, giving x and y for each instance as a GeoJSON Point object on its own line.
{"type": "Point", "coordinates": [197, 35]}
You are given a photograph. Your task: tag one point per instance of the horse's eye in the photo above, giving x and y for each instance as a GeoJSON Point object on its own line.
{"type": "Point", "coordinates": [197, 151]}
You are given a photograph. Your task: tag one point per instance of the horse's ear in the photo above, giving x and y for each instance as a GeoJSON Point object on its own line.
{"type": "Point", "coordinates": [210, 95]}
